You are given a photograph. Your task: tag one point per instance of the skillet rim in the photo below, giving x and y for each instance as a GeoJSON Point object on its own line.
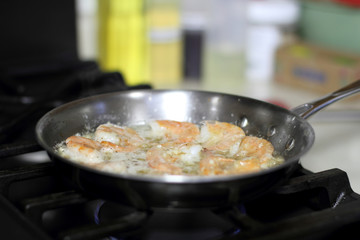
{"type": "Point", "coordinates": [169, 179]}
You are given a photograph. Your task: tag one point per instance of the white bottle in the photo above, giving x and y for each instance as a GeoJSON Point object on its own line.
{"type": "Point", "coordinates": [266, 20]}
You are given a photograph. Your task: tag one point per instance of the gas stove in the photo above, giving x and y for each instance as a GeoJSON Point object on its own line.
{"type": "Point", "coordinates": [35, 202]}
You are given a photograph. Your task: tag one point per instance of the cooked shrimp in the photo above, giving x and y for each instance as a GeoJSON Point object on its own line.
{"type": "Point", "coordinates": [256, 147]}
{"type": "Point", "coordinates": [181, 132]}
{"type": "Point", "coordinates": [221, 136]}
{"type": "Point", "coordinates": [172, 157]}
{"type": "Point", "coordinates": [214, 164]}
{"type": "Point", "coordinates": [119, 139]}
{"type": "Point", "coordinates": [171, 147]}
{"type": "Point", "coordinates": [84, 149]}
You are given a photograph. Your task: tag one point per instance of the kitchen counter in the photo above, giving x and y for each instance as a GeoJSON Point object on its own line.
{"type": "Point", "coordinates": [337, 127]}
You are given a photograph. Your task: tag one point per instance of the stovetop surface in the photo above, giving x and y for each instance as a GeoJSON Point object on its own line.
{"type": "Point", "coordinates": [35, 202]}
{"type": "Point", "coordinates": [27, 93]}
{"type": "Point", "coordinates": [39, 205]}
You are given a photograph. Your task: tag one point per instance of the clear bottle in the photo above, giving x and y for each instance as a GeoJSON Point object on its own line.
{"type": "Point", "coordinates": [87, 26]}
{"type": "Point", "coordinates": [225, 42]}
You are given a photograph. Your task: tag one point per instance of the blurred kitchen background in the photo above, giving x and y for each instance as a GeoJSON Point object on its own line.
{"type": "Point", "coordinates": [287, 52]}
{"type": "Point", "coordinates": [169, 42]}
{"type": "Point", "coordinates": [284, 51]}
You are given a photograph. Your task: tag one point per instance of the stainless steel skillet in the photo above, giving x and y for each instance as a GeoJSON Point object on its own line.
{"type": "Point", "coordinates": [288, 131]}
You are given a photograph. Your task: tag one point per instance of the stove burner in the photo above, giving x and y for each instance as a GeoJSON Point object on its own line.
{"type": "Point", "coordinates": [166, 223]}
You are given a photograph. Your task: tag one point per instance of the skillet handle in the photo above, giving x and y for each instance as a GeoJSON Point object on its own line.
{"type": "Point", "coordinates": [308, 109]}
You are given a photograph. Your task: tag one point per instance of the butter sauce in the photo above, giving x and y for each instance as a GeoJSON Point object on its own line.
{"type": "Point", "coordinates": [174, 157]}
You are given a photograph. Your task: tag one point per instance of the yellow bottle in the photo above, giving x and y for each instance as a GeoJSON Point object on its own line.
{"type": "Point", "coordinates": [164, 42]}
{"type": "Point", "coordinates": [122, 44]}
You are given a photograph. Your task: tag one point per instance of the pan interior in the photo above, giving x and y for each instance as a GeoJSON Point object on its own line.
{"type": "Point", "coordinates": [291, 135]}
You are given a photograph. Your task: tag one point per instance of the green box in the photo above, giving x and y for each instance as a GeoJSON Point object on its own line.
{"type": "Point", "coordinates": [330, 24]}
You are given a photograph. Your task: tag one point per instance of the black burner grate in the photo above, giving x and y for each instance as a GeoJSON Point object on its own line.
{"type": "Point", "coordinates": [309, 206]}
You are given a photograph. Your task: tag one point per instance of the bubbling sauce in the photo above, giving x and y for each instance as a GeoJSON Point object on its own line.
{"type": "Point", "coordinates": [162, 147]}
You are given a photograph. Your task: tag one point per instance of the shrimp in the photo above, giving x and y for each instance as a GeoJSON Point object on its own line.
{"type": "Point", "coordinates": [172, 157]}
{"type": "Point", "coordinates": [84, 149]}
{"type": "Point", "coordinates": [181, 132]}
{"type": "Point", "coordinates": [214, 164]}
{"type": "Point", "coordinates": [118, 139]}
{"type": "Point", "coordinates": [221, 137]}
{"type": "Point", "coordinates": [172, 147]}
{"type": "Point", "coordinates": [256, 147]}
